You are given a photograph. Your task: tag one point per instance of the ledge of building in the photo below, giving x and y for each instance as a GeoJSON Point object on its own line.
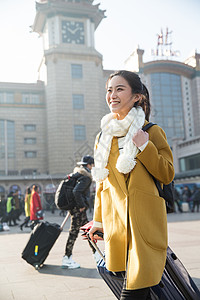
{"type": "Point", "coordinates": [187, 174]}
{"type": "Point", "coordinates": [31, 177]}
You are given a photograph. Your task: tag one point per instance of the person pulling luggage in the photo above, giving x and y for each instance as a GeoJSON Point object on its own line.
{"type": "Point", "coordinates": [78, 214]}
{"type": "Point", "coordinates": [128, 208]}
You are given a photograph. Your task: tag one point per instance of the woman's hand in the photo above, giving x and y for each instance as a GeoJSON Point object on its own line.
{"type": "Point", "coordinates": [93, 236]}
{"type": "Point", "coordinates": [140, 138]}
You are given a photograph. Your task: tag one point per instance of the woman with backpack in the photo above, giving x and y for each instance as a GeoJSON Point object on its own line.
{"type": "Point", "coordinates": [128, 208]}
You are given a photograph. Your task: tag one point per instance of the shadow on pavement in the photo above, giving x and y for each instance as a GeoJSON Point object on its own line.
{"type": "Point", "coordinates": [57, 270]}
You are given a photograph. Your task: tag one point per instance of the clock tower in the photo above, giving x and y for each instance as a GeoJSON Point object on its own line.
{"type": "Point", "coordinates": [75, 89]}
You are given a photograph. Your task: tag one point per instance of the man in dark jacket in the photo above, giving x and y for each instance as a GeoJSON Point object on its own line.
{"type": "Point", "coordinates": [78, 213]}
{"type": "Point", "coordinates": [195, 198]}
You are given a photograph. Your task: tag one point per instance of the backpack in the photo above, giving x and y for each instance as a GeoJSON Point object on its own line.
{"type": "Point", "coordinates": [64, 196]}
{"type": "Point", "coordinates": [167, 192]}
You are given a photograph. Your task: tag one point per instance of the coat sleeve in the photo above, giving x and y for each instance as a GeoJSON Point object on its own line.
{"type": "Point", "coordinates": [81, 187]}
{"type": "Point", "coordinates": [157, 156]}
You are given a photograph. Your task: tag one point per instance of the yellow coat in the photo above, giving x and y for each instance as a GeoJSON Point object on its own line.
{"type": "Point", "coordinates": [133, 215]}
{"type": "Point", "coordinates": [27, 205]}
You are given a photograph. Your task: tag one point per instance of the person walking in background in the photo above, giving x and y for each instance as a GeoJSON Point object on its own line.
{"type": "Point", "coordinates": [78, 214]}
{"type": "Point", "coordinates": [27, 201]}
{"type": "Point", "coordinates": [3, 214]}
{"type": "Point", "coordinates": [127, 206]}
{"type": "Point", "coordinates": [186, 194]}
{"type": "Point", "coordinates": [17, 204]}
{"type": "Point", "coordinates": [10, 206]}
{"type": "Point", "coordinates": [35, 207]}
{"type": "Point", "coordinates": [177, 199]}
{"type": "Point", "coordinates": [62, 213]}
{"type": "Point", "coordinates": [195, 198]}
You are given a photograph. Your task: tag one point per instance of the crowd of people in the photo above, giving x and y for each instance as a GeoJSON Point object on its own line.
{"type": "Point", "coordinates": [13, 208]}
{"type": "Point", "coordinates": [32, 208]}
{"type": "Point", "coordinates": [189, 196]}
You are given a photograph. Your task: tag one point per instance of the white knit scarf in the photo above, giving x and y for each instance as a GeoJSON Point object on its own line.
{"type": "Point", "coordinates": [111, 127]}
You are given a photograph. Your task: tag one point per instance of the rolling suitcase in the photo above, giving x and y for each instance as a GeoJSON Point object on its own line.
{"type": "Point", "coordinates": [185, 207]}
{"type": "Point", "coordinates": [42, 239]}
{"type": "Point", "coordinates": [176, 283]}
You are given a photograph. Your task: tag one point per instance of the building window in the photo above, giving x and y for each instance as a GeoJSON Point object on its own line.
{"type": "Point", "coordinates": [28, 172]}
{"type": "Point", "coordinates": [30, 154]}
{"type": "Point", "coordinates": [11, 139]}
{"type": "Point", "coordinates": [78, 101]}
{"type": "Point", "coordinates": [76, 71]}
{"type": "Point", "coordinates": [26, 98]}
{"type": "Point", "coordinates": [79, 133]}
{"type": "Point", "coordinates": [35, 98]}
{"type": "Point", "coordinates": [7, 139]}
{"type": "Point", "coordinates": [30, 99]}
{"type": "Point", "coordinates": [6, 97]}
{"type": "Point", "coordinates": [2, 139]}
{"type": "Point", "coordinates": [29, 141]}
{"type": "Point", "coordinates": [29, 127]}
{"type": "Point", "coordinates": [2, 190]}
{"type": "Point", "coordinates": [76, 1]}
{"type": "Point", "coordinates": [190, 163]}
{"type": "Point", "coordinates": [167, 102]}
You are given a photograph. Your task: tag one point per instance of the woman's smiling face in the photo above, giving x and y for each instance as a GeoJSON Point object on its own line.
{"type": "Point", "coordinates": [119, 96]}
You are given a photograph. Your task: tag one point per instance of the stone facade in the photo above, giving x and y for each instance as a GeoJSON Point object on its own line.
{"type": "Point", "coordinates": [62, 117]}
{"type": "Point", "coordinates": [47, 152]}
{"type": "Point", "coordinates": [24, 114]}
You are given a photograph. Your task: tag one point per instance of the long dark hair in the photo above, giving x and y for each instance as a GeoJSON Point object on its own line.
{"type": "Point", "coordinates": [137, 88]}
{"type": "Point", "coordinates": [34, 188]}
{"type": "Point", "coordinates": [28, 192]}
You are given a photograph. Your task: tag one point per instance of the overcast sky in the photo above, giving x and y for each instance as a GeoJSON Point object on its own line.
{"type": "Point", "coordinates": [128, 23]}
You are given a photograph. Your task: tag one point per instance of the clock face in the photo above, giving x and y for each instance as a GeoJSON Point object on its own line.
{"type": "Point", "coordinates": [73, 32]}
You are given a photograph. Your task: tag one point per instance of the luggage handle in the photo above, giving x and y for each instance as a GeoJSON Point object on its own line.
{"type": "Point", "coordinates": [64, 221]}
{"type": "Point", "coordinates": [97, 249]}
{"type": "Point", "coordinates": [95, 246]}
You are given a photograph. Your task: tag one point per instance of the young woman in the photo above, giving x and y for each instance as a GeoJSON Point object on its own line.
{"type": "Point", "coordinates": [128, 208]}
{"type": "Point", "coordinates": [35, 206]}
{"type": "Point", "coordinates": [27, 201]}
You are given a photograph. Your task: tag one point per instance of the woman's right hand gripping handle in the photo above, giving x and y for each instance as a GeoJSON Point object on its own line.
{"type": "Point", "coordinates": [96, 233]}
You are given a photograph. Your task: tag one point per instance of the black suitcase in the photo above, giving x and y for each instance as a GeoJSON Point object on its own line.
{"type": "Point", "coordinates": [176, 283]}
{"type": "Point", "coordinates": [42, 239]}
{"type": "Point", "coordinates": [166, 290]}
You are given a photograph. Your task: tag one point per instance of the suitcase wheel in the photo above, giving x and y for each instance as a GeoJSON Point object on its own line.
{"type": "Point", "coordinates": [37, 267]}
{"type": "Point", "coordinates": [173, 255]}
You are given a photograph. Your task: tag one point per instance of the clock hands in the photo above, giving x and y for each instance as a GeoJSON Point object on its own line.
{"type": "Point", "coordinates": [73, 30]}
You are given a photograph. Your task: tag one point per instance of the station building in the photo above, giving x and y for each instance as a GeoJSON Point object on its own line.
{"type": "Point", "coordinates": [47, 126]}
